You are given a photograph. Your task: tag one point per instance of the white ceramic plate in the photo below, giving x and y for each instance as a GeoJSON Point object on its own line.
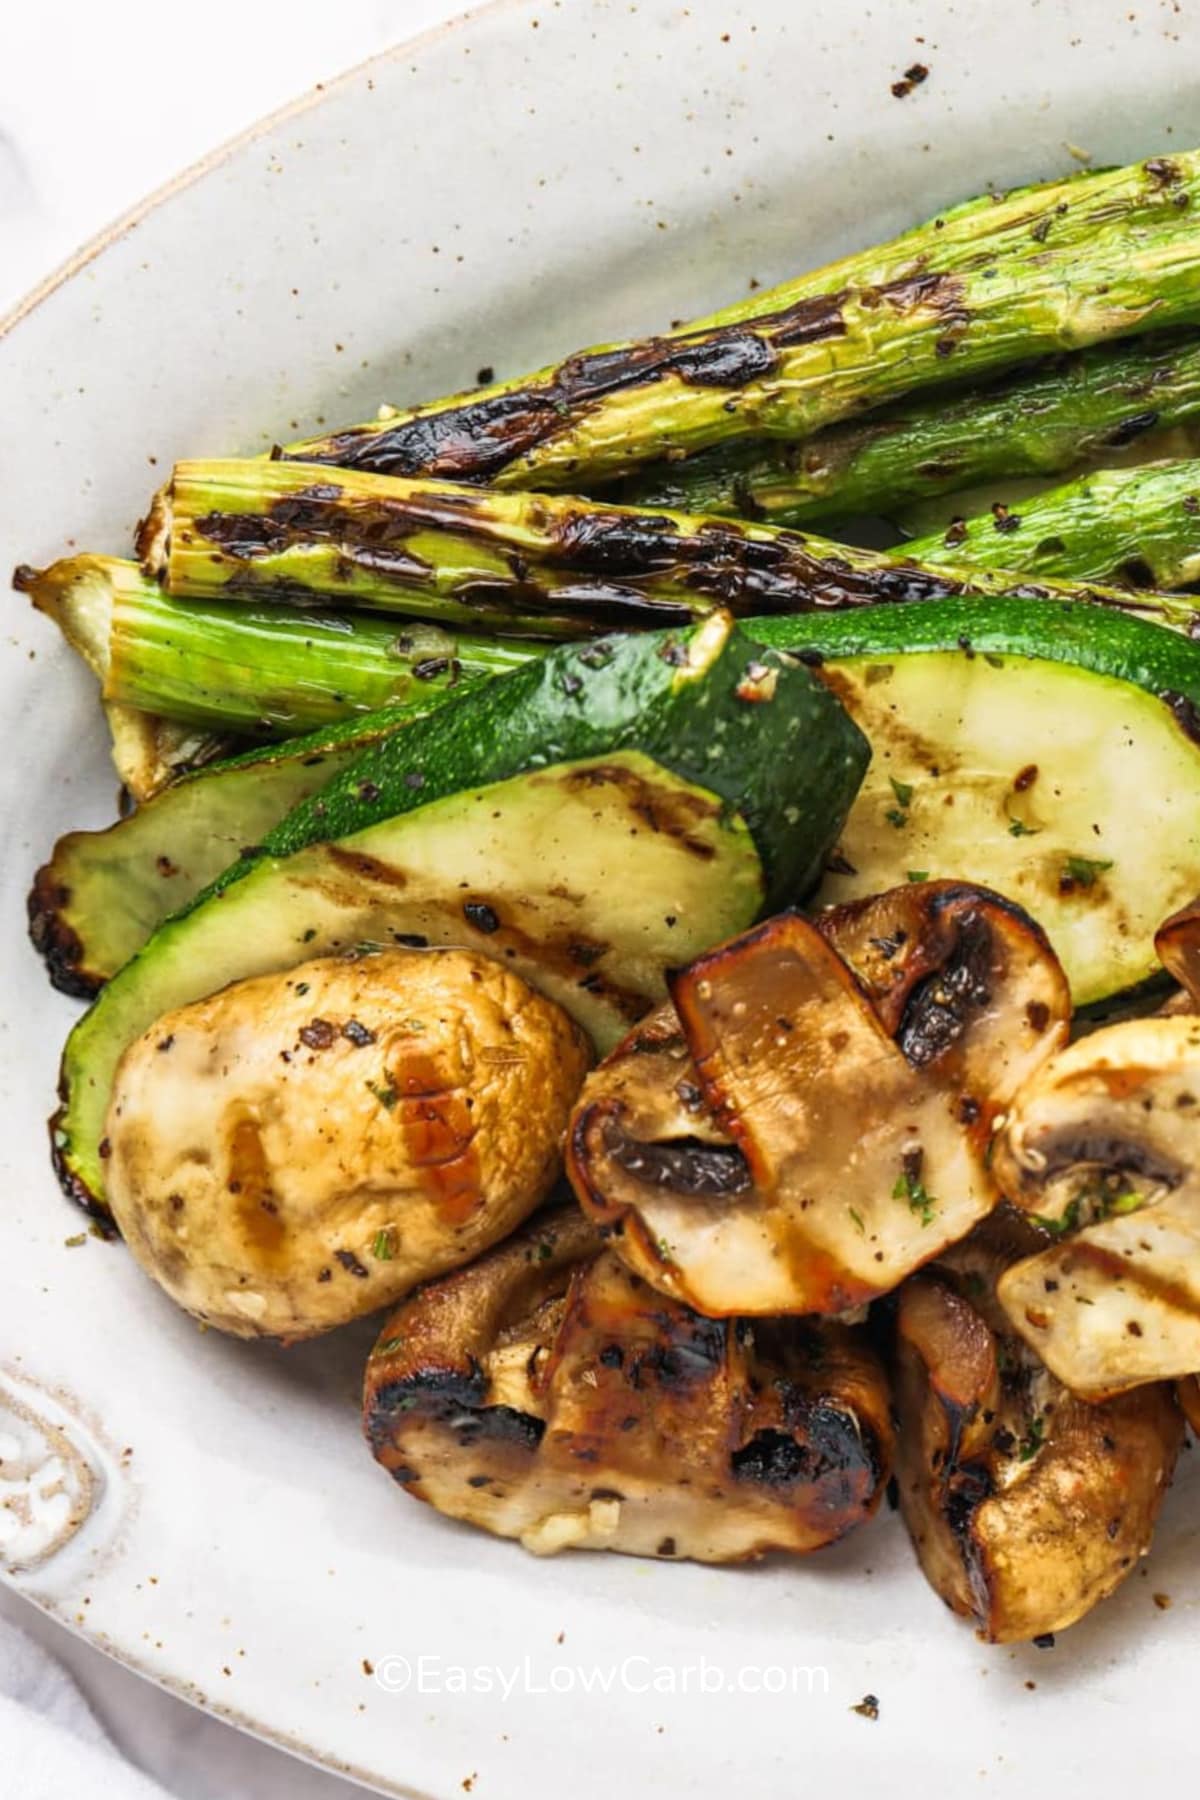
{"type": "Point", "coordinates": [545, 174]}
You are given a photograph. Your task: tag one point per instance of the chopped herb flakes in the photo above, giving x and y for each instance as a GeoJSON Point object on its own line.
{"type": "Point", "coordinates": [1033, 1440]}
{"type": "Point", "coordinates": [1082, 871]}
{"type": "Point", "coordinates": [384, 1092]}
{"type": "Point", "coordinates": [1107, 1198]}
{"type": "Point", "coordinates": [915, 875]}
{"type": "Point", "coordinates": [898, 815]}
{"type": "Point", "coordinates": [384, 1247]}
{"type": "Point", "coordinates": [911, 1189]}
{"type": "Point", "coordinates": [1060, 1227]}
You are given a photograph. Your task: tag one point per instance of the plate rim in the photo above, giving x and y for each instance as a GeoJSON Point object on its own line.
{"type": "Point", "coordinates": [132, 216]}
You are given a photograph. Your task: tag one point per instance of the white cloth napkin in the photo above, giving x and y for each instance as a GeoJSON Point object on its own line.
{"type": "Point", "coordinates": [77, 1726]}
{"type": "Point", "coordinates": [53, 1744]}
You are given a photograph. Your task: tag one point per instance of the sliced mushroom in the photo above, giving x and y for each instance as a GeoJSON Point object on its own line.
{"type": "Point", "coordinates": [816, 1121]}
{"type": "Point", "coordinates": [546, 1393]}
{"type": "Point", "coordinates": [1026, 1506]}
{"type": "Point", "coordinates": [1103, 1147]}
{"type": "Point", "coordinates": [1177, 942]}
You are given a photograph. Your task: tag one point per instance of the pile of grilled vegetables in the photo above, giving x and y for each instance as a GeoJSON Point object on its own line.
{"type": "Point", "coordinates": [732, 994]}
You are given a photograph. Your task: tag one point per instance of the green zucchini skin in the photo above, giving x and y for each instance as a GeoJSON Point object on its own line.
{"type": "Point", "coordinates": [1110, 642]}
{"type": "Point", "coordinates": [633, 691]}
{"type": "Point", "coordinates": [715, 720]}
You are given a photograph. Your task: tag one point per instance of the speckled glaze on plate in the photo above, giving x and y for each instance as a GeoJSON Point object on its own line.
{"type": "Point", "coordinates": [534, 178]}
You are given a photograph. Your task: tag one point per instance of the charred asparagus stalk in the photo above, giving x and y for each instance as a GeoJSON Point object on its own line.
{"type": "Point", "coordinates": [1063, 413]}
{"type": "Point", "coordinates": [1134, 526]}
{"type": "Point", "coordinates": [263, 672]}
{"type": "Point", "coordinates": [1057, 267]}
{"type": "Point", "coordinates": [260, 531]}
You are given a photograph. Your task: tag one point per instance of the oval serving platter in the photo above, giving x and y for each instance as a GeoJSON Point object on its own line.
{"type": "Point", "coordinates": [539, 175]}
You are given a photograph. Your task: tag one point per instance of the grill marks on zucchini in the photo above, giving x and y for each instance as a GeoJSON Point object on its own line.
{"type": "Point", "coordinates": [1076, 794]}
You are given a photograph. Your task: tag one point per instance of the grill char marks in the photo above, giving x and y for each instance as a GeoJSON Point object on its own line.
{"type": "Point", "coordinates": [940, 1007]}
{"type": "Point", "coordinates": [550, 565]}
{"type": "Point", "coordinates": [1026, 1504]}
{"type": "Point", "coordinates": [471, 442]}
{"type": "Point", "coordinates": [719, 359]}
{"type": "Point", "coordinates": [244, 536]}
{"type": "Point", "coordinates": [476, 439]}
{"type": "Point", "coordinates": [684, 1165]}
{"type": "Point", "coordinates": [56, 942]}
{"type": "Point", "coordinates": [825, 1447]}
{"type": "Point", "coordinates": [603, 562]}
{"type": "Point", "coordinates": [1106, 1148]}
{"type": "Point", "coordinates": [547, 1393]}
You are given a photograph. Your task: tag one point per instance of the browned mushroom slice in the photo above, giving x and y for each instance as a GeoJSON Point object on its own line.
{"type": "Point", "coordinates": [644, 1148]}
{"type": "Point", "coordinates": [548, 1394]}
{"type": "Point", "coordinates": [1026, 1505]}
{"type": "Point", "coordinates": [1103, 1147]}
{"type": "Point", "coordinates": [1177, 942]}
{"type": "Point", "coordinates": [817, 1148]}
{"type": "Point", "coordinates": [931, 955]}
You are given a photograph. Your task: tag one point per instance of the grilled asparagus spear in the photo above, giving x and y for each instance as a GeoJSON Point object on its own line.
{"type": "Point", "coordinates": [1139, 526]}
{"type": "Point", "coordinates": [1056, 267]}
{"type": "Point", "coordinates": [265, 666]}
{"type": "Point", "coordinates": [268, 671]}
{"type": "Point", "coordinates": [260, 531]}
{"type": "Point", "coordinates": [1065, 412]}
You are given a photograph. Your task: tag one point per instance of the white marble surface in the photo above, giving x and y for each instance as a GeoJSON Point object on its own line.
{"type": "Point", "coordinates": [99, 105]}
